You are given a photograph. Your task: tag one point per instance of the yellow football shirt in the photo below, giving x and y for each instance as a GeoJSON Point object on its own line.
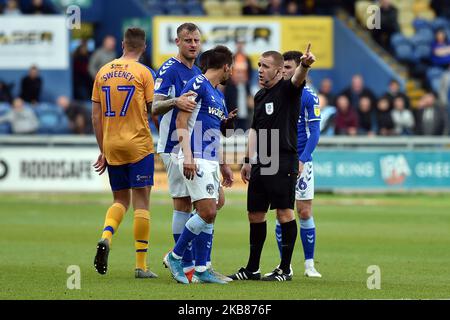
{"type": "Point", "coordinates": [123, 87]}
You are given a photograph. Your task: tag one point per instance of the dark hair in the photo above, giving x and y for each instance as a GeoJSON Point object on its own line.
{"type": "Point", "coordinates": [215, 58]}
{"type": "Point", "coordinates": [190, 27]}
{"type": "Point", "coordinates": [394, 81]}
{"type": "Point", "coordinates": [134, 39]}
{"type": "Point", "coordinates": [277, 57]}
{"type": "Point", "coordinates": [293, 55]}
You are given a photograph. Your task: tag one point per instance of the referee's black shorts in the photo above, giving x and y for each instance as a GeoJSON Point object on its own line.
{"type": "Point", "coordinates": [275, 191]}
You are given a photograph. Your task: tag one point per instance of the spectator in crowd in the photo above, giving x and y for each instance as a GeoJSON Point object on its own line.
{"type": "Point", "coordinates": [346, 121]}
{"type": "Point", "coordinates": [402, 117]}
{"type": "Point", "coordinates": [275, 7]}
{"type": "Point", "coordinates": [5, 92]}
{"type": "Point", "coordinates": [327, 114]}
{"type": "Point", "coordinates": [366, 118]}
{"type": "Point", "coordinates": [237, 91]}
{"type": "Point", "coordinates": [394, 92]}
{"type": "Point", "coordinates": [12, 8]}
{"type": "Point", "coordinates": [23, 119]}
{"type": "Point", "coordinates": [357, 90]}
{"type": "Point", "coordinates": [252, 7]}
{"type": "Point", "coordinates": [76, 113]}
{"type": "Point", "coordinates": [31, 86]}
{"type": "Point", "coordinates": [102, 55]}
{"type": "Point", "coordinates": [440, 50]}
{"type": "Point", "coordinates": [388, 22]}
{"type": "Point", "coordinates": [430, 117]}
{"type": "Point", "coordinates": [326, 88]}
{"type": "Point", "coordinates": [82, 81]}
{"type": "Point", "coordinates": [385, 123]}
{"type": "Point", "coordinates": [292, 8]}
{"type": "Point", "coordinates": [441, 8]}
{"type": "Point", "coordinates": [40, 7]}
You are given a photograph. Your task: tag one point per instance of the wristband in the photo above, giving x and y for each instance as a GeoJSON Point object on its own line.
{"type": "Point", "coordinates": [305, 66]}
{"type": "Point", "coordinates": [246, 160]}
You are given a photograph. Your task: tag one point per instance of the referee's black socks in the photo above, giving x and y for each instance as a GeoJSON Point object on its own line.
{"type": "Point", "coordinates": [288, 237]}
{"type": "Point", "coordinates": [258, 232]}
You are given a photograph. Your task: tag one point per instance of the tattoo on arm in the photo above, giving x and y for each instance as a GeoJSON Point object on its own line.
{"type": "Point", "coordinates": [162, 105]}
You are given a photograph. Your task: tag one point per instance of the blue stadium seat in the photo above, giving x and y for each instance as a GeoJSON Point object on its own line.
{"type": "Point", "coordinates": [419, 24]}
{"type": "Point", "coordinates": [5, 127]}
{"type": "Point", "coordinates": [404, 52]}
{"type": "Point", "coordinates": [422, 52]}
{"type": "Point", "coordinates": [434, 75]}
{"type": "Point", "coordinates": [435, 84]}
{"type": "Point", "coordinates": [175, 11]}
{"type": "Point", "coordinates": [434, 72]}
{"type": "Point", "coordinates": [52, 120]}
{"type": "Point", "coordinates": [426, 34]}
{"type": "Point", "coordinates": [439, 23]}
{"type": "Point", "coordinates": [194, 9]}
{"type": "Point", "coordinates": [398, 38]}
{"type": "Point", "coordinates": [149, 3]}
{"type": "Point", "coordinates": [156, 10]}
{"type": "Point", "coordinates": [192, 2]}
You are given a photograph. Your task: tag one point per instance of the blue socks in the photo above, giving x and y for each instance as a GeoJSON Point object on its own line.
{"type": "Point", "coordinates": [307, 235]}
{"type": "Point", "coordinates": [179, 220]}
{"type": "Point", "coordinates": [202, 247]}
{"type": "Point", "coordinates": [194, 226]}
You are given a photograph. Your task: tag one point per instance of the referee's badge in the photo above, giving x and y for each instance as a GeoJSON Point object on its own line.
{"type": "Point", "coordinates": [269, 108]}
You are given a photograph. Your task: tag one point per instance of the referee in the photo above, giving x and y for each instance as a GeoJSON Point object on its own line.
{"type": "Point", "coordinates": [271, 162]}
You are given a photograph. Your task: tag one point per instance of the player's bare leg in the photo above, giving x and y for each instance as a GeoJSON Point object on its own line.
{"type": "Point", "coordinates": [141, 230]}
{"type": "Point", "coordinates": [308, 236]}
{"type": "Point", "coordinates": [113, 219]}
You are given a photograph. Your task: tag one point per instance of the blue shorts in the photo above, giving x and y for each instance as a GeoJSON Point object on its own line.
{"type": "Point", "coordinates": [132, 175]}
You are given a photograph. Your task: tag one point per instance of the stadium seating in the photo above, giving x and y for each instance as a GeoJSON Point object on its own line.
{"type": "Point", "coordinates": [5, 127]}
{"type": "Point", "coordinates": [52, 120]}
{"type": "Point", "coordinates": [434, 75]}
{"type": "Point", "coordinates": [174, 7]}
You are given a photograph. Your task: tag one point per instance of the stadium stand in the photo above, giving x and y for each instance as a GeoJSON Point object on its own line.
{"type": "Point", "coordinates": [407, 57]}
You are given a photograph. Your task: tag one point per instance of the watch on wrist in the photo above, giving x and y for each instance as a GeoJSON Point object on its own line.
{"type": "Point", "coordinates": [246, 160]}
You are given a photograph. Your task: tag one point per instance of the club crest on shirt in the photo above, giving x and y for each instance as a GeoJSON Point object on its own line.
{"type": "Point", "coordinates": [269, 108]}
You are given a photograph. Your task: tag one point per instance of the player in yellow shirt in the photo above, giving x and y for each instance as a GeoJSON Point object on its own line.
{"type": "Point", "coordinates": [122, 93]}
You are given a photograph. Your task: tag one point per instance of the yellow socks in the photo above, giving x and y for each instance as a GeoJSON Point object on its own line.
{"type": "Point", "coordinates": [141, 228]}
{"type": "Point", "coordinates": [114, 217]}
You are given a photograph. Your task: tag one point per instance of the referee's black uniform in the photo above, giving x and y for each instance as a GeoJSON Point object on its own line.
{"type": "Point", "coordinates": [277, 108]}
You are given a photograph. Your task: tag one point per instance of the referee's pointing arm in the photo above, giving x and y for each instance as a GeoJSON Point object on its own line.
{"type": "Point", "coordinates": [302, 70]}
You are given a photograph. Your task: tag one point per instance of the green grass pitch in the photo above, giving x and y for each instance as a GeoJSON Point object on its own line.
{"type": "Point", "coordinates": [407, 236]}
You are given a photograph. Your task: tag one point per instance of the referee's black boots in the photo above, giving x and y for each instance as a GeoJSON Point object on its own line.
{"type": "Point", "coordinates": [244, 274]}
